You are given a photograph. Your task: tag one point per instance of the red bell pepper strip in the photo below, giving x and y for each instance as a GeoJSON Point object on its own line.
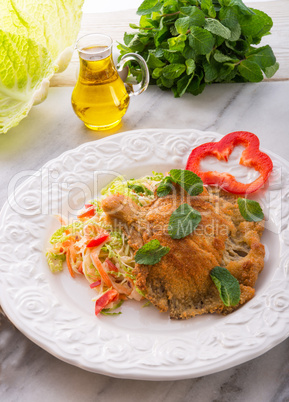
{"type": "Point", "coordinates": [95, 284]}
{"type": "Point", "coordinates": [89, 213]}
{"type": "Point", "coordinates": [111, 265]}
{"type": "Point", "coordinates": [251, 157]}
{"type": "Point", "coordinates": [97, 240]}
{"type": "Point", "coordinates": [109, 296]}
{"type": "Point", "coordinates": [80, 269]}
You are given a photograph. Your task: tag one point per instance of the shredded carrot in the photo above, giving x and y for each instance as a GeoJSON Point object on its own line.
{"type": "Point", "coordinates": [122, 297]}
{"type": "Point", "coordinates": [68, 264]}
{"type": "Point", "coordinates": [66, 243]}
{"type": "Point", "coordinates": [72, 253]}
{"type": "Point", "coordinates": [99, 267]}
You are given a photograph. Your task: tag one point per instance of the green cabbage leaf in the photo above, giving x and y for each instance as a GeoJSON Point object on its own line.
{"type": "Point", "coordinates": [36, 41]}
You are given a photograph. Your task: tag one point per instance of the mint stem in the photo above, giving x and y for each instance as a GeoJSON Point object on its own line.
{"type": "Point", "coordinates": [170, 15]}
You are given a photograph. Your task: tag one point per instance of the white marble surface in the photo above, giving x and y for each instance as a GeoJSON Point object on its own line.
{"type": "Point", "coordinates": [27, 373]}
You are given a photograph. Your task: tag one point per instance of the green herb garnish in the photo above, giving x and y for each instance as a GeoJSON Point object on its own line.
{"type": "Point", "coordinates": [151, 253]}
{"type": "Point", "coordinates": [183, 221]}
{"type": "Point", "coordinates": [227, 285]}
{"type": "Point", "coordinates": [185, 178]}
{"type": "Point", "coordinates": [250, 210]}
{"type": "Point", "coordinates": [165, 186]}
{"type": "Point", "coordinates": [189, 44]}
{"type": "Point", "coordinates": [188, 180]}
{"type": "Point", "coordinates": [138, 188]}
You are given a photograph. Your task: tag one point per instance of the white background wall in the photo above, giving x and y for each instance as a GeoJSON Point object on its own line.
{"type": "Point", "coordinates": [98, 6]}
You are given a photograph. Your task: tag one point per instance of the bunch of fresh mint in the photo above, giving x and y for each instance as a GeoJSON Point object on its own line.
{"type": "Point", "coordinates": [190, 43]}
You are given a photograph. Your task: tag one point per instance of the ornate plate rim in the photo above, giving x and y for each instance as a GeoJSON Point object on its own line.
{"type": "Point", "coordinates": [174, 361]}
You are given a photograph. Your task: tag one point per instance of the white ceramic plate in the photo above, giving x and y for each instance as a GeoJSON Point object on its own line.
{"type": "Point", "coordinates": [57, 313]}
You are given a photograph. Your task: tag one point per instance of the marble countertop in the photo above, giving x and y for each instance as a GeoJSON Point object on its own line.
{"type": "Point", "coordinates": [29, 373]}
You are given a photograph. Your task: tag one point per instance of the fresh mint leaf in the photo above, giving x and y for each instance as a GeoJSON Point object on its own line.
{"type": "Point", "coordinates": [211, 71]}
{"type": "Point", "coordinates": [229, 18]}
{"type": "Point", "coordinates": [154, 62]}
{"type": "Point", "coordinates": [266, 20]}
{"type": "Point", "coordinates": [173, 71]}
{"type": "Point", "coordinates": [270, 71]}
{"type": "Point", "coordinates": [191, 66]}
{"type": "Point", "coordinates": [123, 49]}
{"type": "Point", "coordinates": [208, 7]}
{"type": "Point", "coordinates": [166, 82]}
{"type": "Point", "coordinates": [217, 28]}
{"type": "Point", "coordinates": [241, 6]}
{"type": "Point", "coordinates": [223, 58]}
{"type": "Point", "coordinates": [170, 6]}
{"type": "Point", "coordinates": [146, 22]}
{"type": "Point", "coordinates": [183, 84]}
{"type": "Point", "coordinates": [128, 38]}
{"type": "Point", "coordinates": [197, 17]}
{"type": "Point", "coordinates": [151, 253]}
{"type": "Point", "coordinates": [227, 73]}
{"type": "Point", "coordinates": [177, 43]}
{"type": "Point", "coordinates": [188, 180]}
{"type": "Point", "coordinates": [173, 30]}
{"type": "Point", "coordinates": [149, 6]}
{"type": "Point", "coordinates": [165, 187]}
{"type": "Point", "coordinates": [250, 210]}
{"type": "Point", "coordinates": [189, 53]}
{"type": "Point", "coordinates": [263, 56]}
{"type": "Point", "coordinates": [161, 34]}
{"type": "Point", "coordinates": [197, 85]}
{"type": "Point", "coordinates": [134, 26]}
{"type": "Point", "coordinates": [173, 57]}
{"type": "Point", "coordinates": [136, 45]}
{"type": "Point", "coordinates": [182, 24]}
{"type": "Point", "coordinates": [227, 285]}
{"type": "Point", "coordinates": [183, 221]}
{"type": "Point", "coordinates": [201, 40]}
{"type": "Point", "coordinates": [255, 25]}
{"type": "Point", "coordinates": [140, 189]}
{"type": "Point", "coordinates": [250, 70]}
{"type": "Point", "coordinates": [157, 72]}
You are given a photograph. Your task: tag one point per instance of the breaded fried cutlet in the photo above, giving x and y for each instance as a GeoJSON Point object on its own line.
{"type": "Point", "coordinates": [180, 283]}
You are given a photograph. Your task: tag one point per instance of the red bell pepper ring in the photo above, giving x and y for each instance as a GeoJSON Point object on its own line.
{"type": "Point", "coordinates": [251, 157]}
{"type": "Point", "coordinates": [89, 213]}
{"type": "Point", "coordinates": [109, 296]}
{"type": "Point", "coordinates": [97, 240]}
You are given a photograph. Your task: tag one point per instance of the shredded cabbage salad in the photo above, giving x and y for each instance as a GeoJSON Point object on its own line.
{"type": "Point", "coordinates": [92, 247]}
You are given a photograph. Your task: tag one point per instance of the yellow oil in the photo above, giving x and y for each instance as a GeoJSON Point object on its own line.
{"type": "Point", "coordinates": [99, 98]}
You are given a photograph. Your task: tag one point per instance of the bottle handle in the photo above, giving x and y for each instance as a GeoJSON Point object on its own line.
{"type": "Point", "coordinates": [144, 69]}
